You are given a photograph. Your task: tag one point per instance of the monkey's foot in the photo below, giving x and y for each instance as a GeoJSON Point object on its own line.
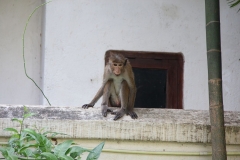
{"type": "Point", "coordinates": [118, 114]}
{"type": "Point", "coordinates": [132, 114]}
{"type": "Point", "coordinates": [105, 110]}
{"type": "Point", "coordinates": [86, 106]}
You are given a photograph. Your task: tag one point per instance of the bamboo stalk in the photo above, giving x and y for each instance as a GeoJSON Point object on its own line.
{"type": "Point", "coordinates": [215, 80]}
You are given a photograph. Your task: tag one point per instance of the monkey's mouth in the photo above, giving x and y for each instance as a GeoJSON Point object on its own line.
{"type": "Point", "coordinates": [117, 73]}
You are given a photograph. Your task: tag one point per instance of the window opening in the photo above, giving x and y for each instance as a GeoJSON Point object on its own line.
{"type": "Point", "coordinates": [150, 83]}
{"type": "Point", "coordinates": [158, 78]}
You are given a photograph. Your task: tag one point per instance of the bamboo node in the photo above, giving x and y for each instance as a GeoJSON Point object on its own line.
{"type": "Point", "coordinates": [212, 22]}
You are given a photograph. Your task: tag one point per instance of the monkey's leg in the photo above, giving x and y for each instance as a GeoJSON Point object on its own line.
{"type": "Point", "coordinates": [105, 99]}
{"type": "Point", "coordinates": [132, 114]}
{"type": "Point", "coordinates": [124, 95]}
{"type": "Point", "coordinates": [131, 106]}
{"type": "Point", "coordinates": [125, 103]}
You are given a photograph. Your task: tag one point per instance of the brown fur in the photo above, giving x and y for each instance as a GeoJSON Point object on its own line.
{"type": "Point", "coordinates": [118, 88]}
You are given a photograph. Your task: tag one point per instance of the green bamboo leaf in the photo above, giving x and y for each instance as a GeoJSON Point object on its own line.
{"type": "Point", "coordinates": [27, 146]}
{"type": "Point", "coordinates": [95, 153]}
{"type": "Point", "coordinates": [27, 152]}
{"type": "Point", "coordinates": [30, 131]}
{"type": "Point", "coordinates": [25, 109]}
{"type": "Point", "coordinates": [8, 153]}
{"type": "Point", "coordinates": [13, 141]}
{"type": "Point", "coordinates": [28, 115]}
{"type": "Point", "coordinates": [76, 151]}
{"type": "Point", "coordinates": [16, 136]}
{"type": "Point", "coordinates": [12, 156]}
{"type": "Point", "coordinates": [45, 144]}
{"type": "Point", "coordinates": [33, 134]}
{"type": "Point", "coordinates": [230, 1]}
{"type": "Point", "coordinates": [64, 157]}
{"type": "Point", "coordinates": [49, 156]}
{"type": "Point", "coordinates": [17, 120]}
{"type": "Point", "coordinates": [11, 130]}
{"type": "Point", "coordinates": [4, 152]}
{"type": "Point", "coordinates": [37, 153]}
{"type": "Point", "coordinates": [234, 3]}
{"type": "Point", "coordinates": [62, 147]}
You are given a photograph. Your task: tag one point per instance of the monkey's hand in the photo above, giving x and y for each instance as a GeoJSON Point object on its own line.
{"type": "Point", "coordinates": [105, 110]}
{"type": "Point", "coordinates": [132, 114]}
{"type": "Point", "coordinates": [86, 106]}
{"type": "Point", "coordinates": [119, 114]}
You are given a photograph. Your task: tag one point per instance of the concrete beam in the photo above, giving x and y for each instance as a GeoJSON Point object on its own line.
{"type": "Point", "coordinates": [169, 125]}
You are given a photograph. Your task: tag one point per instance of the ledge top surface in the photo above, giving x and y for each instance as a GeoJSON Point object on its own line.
{"type": "Point", "coordinates": [144, 114]}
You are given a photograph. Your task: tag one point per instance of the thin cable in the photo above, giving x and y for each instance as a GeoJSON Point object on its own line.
{"type": "Point", "coordinates": [24, 61]}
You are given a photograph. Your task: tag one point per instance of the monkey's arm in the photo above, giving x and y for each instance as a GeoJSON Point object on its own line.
{"type": "Point", "coordinates": [132, 96]}
{"type": "Point", "coordinates": [99, 93]}
{"type": "Point", "coordinates": [95, 99]}
{"type": "Point", "coordinates": [132, 89]}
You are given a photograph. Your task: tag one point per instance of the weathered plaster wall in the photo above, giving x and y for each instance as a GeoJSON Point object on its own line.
{"type": "Point", "coordinates": [78, 33]}
{"type": "Point", "coordinates": [156, 130]}
{"type": "Point", "coordinates": [230, 37]}
{"type": "Point", "coordinates": [15, 88]}
{"type": "Point", "coordinates": [75, 45]}
{"type": "Point", "coordinates": [152, 125]}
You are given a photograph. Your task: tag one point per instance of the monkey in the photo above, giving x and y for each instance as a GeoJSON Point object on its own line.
{"type": "Point", "coordinates": [118, 88]}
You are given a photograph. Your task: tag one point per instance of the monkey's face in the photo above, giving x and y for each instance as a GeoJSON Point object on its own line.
{"type": "Point", "coordinates": [117, 68]}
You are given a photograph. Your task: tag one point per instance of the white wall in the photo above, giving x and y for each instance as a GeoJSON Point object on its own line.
{"type": "Point", "coordinates": [230, 37]}
{"type": "Point", "coordinates": [15, 88]}
{"type": "Point", "coordinates": [78, 33]}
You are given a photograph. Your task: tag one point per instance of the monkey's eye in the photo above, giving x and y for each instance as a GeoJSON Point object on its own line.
{"type": "Point", "coordinates": [120, 65]}
{"type": "Point", "coordinates": [115, 64]}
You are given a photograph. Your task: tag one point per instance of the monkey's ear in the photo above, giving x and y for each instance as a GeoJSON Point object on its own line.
{"type": "Point", "coordinates": [125, 62]}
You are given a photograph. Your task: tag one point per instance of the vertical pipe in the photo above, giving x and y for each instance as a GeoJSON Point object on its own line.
{"type": "Point", "coordinates": [215, 79]}
{"type": "Point", "coordinates": [42, 71]}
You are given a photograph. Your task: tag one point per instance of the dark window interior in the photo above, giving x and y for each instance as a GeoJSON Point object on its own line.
{"type": "Point", "coordinates": [158, 77]}
{"type": "Point", "coordinates": [150, 83]}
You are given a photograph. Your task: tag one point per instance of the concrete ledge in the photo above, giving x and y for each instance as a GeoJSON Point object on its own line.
{"type": "Point", "coordinates": [168, 125]}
